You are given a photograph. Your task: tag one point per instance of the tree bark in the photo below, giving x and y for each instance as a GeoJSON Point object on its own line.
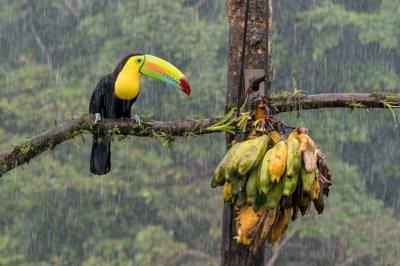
{"type": "Point", "coordinates": [29, 149]}
{"type": "Point", "coordinates": [233, 253]}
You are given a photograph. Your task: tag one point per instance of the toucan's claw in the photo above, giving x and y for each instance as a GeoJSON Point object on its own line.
{"type": "Point", "coordinates": [137, 119]}
{"type": "Point", "coordinates": [98, 117]}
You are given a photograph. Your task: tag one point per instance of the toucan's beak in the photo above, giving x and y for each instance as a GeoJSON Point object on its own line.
{"type": "Point", "coordinates": [160, 69]}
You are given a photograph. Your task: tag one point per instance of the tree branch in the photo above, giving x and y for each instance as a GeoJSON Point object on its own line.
{"type": "Point", "coordinates": [29, 149]}
{"type": "Point", "coordinates": [336, 100]}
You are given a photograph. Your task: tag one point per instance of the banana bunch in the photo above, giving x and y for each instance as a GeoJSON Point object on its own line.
{"type": "Point", "coordinates": [269, 180]}
{"type": "Point", "coordinates": [240, 160]}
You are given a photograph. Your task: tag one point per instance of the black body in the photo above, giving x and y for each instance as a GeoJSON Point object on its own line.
{"type": "Point", "coordinates": [103, 101]}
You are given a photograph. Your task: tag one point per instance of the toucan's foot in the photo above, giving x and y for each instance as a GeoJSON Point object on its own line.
{"type": "Point", "coordinates": [98, 117]}
{"type": "Point", "coordinates": [137, 119]}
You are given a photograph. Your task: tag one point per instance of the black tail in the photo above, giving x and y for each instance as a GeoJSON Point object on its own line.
{"type": "Point", "coordinates": [100, 159]}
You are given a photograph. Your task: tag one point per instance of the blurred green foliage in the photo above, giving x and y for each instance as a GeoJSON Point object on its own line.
{"type": "Point", "coordinates": [156, 207]}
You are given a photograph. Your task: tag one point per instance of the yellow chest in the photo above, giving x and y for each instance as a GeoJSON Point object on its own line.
{"type": "Point", "coordinates": [127, 84]}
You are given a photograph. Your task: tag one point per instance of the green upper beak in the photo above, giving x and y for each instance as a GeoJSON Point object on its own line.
{"type": "Point", "coordinates": [160, 69]}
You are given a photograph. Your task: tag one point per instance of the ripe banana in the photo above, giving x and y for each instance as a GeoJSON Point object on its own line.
{"type": "Point", "coordinates": [319, 203]}
{"type": "Point", "coordinates": [314, 191]}
{"type": "Point", "coordinates": [307, 179]}
{"type": "Point", "coordinates": [252, 191]}
{"type": "Point", "coordinates": [270, 187]}
{"type": "Point", "coordinates": [252, 156]}
{"type": "Point", "coordinates": [264, 178]}
{"type": "Point", "coordinates": [277, 162]}
{"type": "Point", "coordinates": [246, 224]}
{"type": "Point", "coordinates": [226, 191]}
{"type": "Point", "coordinates": [289, 184]}
{"type": "Point", "coordinates": [274, 194]}
{"type": "Point", "coordinates": [293, 159]}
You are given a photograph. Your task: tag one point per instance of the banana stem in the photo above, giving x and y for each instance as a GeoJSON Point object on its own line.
{"type": "Point", "coordinates": [226, 117]}
{"type": "Point", "coordinates": [226, 128]}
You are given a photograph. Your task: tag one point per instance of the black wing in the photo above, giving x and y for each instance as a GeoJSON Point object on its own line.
{"type": "Point", "coordinates": [98, 100]}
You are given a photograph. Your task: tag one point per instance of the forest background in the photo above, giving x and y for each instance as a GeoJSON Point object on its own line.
{"type": "Point", "coordinates": [156, 207]}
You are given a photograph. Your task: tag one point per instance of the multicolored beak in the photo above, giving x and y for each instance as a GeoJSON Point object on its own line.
{"type": "Point", "coordinates": [160, 69]}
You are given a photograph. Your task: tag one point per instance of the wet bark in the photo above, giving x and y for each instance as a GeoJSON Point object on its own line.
{"type": "Point", "coordinates": [26, 151]}
{"type": "Point", "coordinates": [233, 253]}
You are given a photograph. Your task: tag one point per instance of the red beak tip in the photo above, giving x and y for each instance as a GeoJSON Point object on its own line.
{"type": "Point", "coordinates": [184, 83]}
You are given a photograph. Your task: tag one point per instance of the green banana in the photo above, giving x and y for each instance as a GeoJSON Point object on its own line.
{"type": "Point", "coordinates": [252, 190]}
{"type": "Point", "coordinates": [293, 159]}
{"type": "Point", "coordinates": [260, 201]}
{"type": "Point", "coordinates": [238, 184]}
{"type": "Point", "coordinates": [241, 198]}
{"type": "Point", "coordinates": [274, 194]}
{"type": "Point", "coordinates": [265, 182]}
{"type": "Point", "coordinates": [232, 164]}
{"type": "Point", "coordinates": [252, 156]}
{"type": "Point", "coordinates": [220, 172]}
{"type": "Point", "coordinates": [307, 179]}
{"type": "Point", "coordinates": [289, 184]}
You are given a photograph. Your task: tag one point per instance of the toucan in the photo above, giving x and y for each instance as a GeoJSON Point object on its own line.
{"type": "Point", "coordinates": [115, 93]}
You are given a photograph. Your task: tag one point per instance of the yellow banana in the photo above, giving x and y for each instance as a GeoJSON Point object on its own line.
{"type": "Point", "coordinates": [247, 224]}
{"type": "Point", "coordinates": [274, 194]}
{"type": "Point", "coordinates": [252, 156]}
{"type": "Point", "coordinates": [226, 192]}
{"type": "Point", "coordinates": [252, 191]}
{"type": "Point", "coordinates": [264, 178]}
{"type": "Point", "coordinates": [289, 184]}
{"type": "Point", "coordinates": [277, 162]}
{"type": "Point", "coordinates": [314, 191]}
{"type": "Point", "coordinates": [307, 179]}
{"type": "Point", "coordinates": [293, 160]}
{"type": "Point", "coordinates": [319, 201]}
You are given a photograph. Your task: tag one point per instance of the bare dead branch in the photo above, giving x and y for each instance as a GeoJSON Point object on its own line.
{"type": "Point", "coordinates": [41, 45]}
{"type": "Point", "coordinates": [279, 246]}
{"type": "Point", "coordinates": [74, 11]}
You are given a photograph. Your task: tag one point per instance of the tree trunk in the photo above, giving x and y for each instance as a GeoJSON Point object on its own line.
{"type": "Point", "coordinates": [233, 253]}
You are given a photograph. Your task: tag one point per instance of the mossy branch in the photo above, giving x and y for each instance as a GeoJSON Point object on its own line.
{"type": "Point", "coordinates": [26, 151]}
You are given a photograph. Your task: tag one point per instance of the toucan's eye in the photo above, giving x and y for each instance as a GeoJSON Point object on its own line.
{"type": "Point", "coordinates": [139, 60]}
